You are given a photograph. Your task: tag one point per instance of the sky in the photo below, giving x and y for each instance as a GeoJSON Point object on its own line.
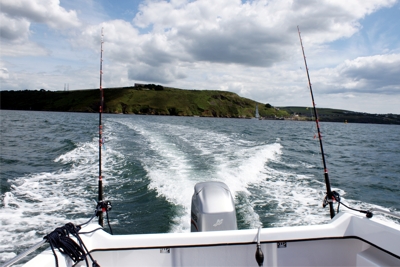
{"type": "Point", "coordinates": [251, 48]}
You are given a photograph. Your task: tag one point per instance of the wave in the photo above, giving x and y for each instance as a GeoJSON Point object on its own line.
{"type": "Point", "coordinates": [268, 189]}
{"type": "Point", "coordinates": [38, 203]}
{"type": "Point", "coordinates": [184, 156]}
{"type": "Point", "coordinates": [275, 183]}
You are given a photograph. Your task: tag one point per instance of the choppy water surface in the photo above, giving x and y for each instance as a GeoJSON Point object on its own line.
{"type": "Point", "coordinates": [49, 170]}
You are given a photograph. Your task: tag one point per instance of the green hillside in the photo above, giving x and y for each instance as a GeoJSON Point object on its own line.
{"type": "Point", "coordinates": [153, 99]}
{"type": "Point", "coordinates": [339, 115]}
{"type": "Point", "coordinates": [147, 99]}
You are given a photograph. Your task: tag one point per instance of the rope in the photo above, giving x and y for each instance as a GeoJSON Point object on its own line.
{"type": "Point", "coordinates": [60, 239]}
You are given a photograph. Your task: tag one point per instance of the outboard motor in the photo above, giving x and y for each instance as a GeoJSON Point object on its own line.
{"type": "Point", "coordinates": [213, 208]}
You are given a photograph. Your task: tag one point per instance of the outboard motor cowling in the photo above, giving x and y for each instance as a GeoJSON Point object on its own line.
{"type": "Point", "coordinates": [213, 208]}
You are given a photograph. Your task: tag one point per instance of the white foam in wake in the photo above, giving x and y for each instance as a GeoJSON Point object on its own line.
{"type": "Point", "coordinates": [40, 202]}
{"type": "Point", "coordinates": [183, 156]}
{"type": "Point", "coordinates": [173, 172]}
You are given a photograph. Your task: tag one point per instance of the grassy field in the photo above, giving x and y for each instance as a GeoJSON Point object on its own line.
{"type": "Point", "coordinates": [158, 100]}
{"type": "Point", "coordinates": [141, 100]}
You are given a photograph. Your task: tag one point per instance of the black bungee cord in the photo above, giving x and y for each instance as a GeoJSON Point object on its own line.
{"type": "Point", "coordinates": [60, 239]}
{"type": "Point", "coordinates": [337, 198]}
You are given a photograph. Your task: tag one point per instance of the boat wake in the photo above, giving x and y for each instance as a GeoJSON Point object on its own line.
{"type": "Point", "coordinates": [40, 202]}
{"type": "Point", "coordinates": [160, 159]}
{"type": "Point", "coordinates": [265, 195]}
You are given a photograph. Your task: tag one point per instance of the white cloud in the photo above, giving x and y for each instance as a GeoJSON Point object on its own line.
{"type": "Point", "coordinates": [167, 35]}
{"type": "Point", "coordinates": [3, 74]}
{"type": "Point", "coordinates": [17, 17]}
{"type": "Point", "coordinates": [251, 48]}
{"type": "Point", "coordinates": [77, 78]}
{"type": "Point", "coordinates": [41, 11]}
{"type": "Point", "coordinates": [378, 74]}
{"type": "Point", "coordinates": [13, 29]}
{"type": "Point", "coordinates": [154, 74]}
{"type": "Point", "coordinates": [257, 33]}
{"type": "Point", "coordinates": [26, 48]}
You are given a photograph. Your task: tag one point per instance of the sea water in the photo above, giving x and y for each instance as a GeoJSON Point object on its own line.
{"type": "Point", "coordinates": [49, 171]}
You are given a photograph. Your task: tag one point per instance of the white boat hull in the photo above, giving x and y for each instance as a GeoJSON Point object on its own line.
{"type": "Point", "coordinates": [348, 240]}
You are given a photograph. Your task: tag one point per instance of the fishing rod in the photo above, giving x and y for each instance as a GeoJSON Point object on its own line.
{"type": "Point", "coordinates": [100, 197]}
{"type": "Point", "coordinates": [59, 238]}
{"type": "Point", "coordinates": [329, 195]}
